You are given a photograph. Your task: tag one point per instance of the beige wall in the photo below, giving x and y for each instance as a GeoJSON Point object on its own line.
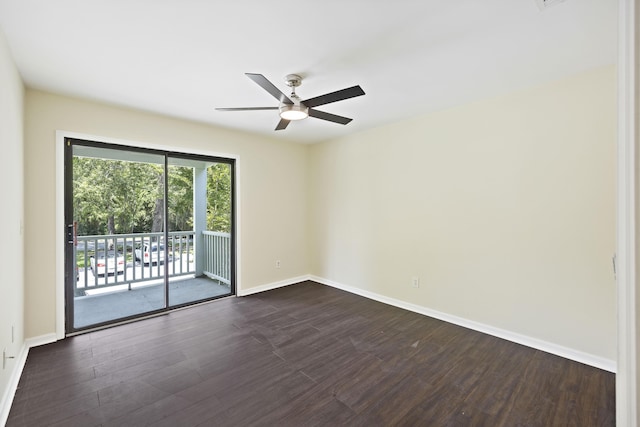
{"type": "Point", "coordinates": [504, 209]}
{"type": "Point", "coordinates": [11, 214]}
{"type": "Point", "coordinates": [272, 175]}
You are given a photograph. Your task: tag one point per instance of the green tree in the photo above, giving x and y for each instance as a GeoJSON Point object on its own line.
{"type": "Point", "coordinates": [116, 197]}
{"type": "Point", "coordinates": [219, 197]}
{"type": "Point", "coordinates": [180, 198]}
{"type": "Point", "coordinates": [112, 196]}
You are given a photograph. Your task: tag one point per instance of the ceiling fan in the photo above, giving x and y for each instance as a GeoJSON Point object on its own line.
{"type": "Point", "coordinates": [293, 108]}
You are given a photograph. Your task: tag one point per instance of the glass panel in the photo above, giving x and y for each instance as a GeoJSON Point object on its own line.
{"type": "Point", "coordinates": [118, 212]}
{"type": "Point", "coordinates": [199, 212]}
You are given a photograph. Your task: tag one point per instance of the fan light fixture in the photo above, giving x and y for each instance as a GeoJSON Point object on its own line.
{"type": "Point", "coordinates": [293, 112]}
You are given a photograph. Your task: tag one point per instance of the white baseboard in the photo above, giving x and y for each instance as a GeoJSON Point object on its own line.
{"type": "Point", "coordinates": [558, 350]}
{"type": "Point", "coordinates": [12, 386]}
{"type": "Point", "coordinates": [41, 340]}
{"type": "Point", "coordinates": [16, 373]}
{"type": "Point", "coordinates": [273, 285]}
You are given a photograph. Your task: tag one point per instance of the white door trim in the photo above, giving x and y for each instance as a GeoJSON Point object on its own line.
{"type": "Point", "coordinates": [626, 380]}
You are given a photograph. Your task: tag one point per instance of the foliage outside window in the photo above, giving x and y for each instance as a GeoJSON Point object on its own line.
{"type": "Point", "coordinates": [119, 197]}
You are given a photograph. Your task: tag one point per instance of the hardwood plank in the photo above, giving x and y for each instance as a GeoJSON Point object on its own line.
{"type": "Point", "coordinates": [26, 414]}
{"type": "Point", "coordinates": [152, 412]}
{"type": "Point", "coordinates": [308, 355]}
{"type": "Point", "coordinates": [196, 414]}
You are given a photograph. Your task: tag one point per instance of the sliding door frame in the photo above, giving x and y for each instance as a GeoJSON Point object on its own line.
{"type": "Point", "coordinates": [64, 325]}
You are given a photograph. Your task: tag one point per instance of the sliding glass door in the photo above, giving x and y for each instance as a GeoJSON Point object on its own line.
{"type": "Point", "coordinates": [200, 201]}
{"type": "Point", "coordinates": [147, 231]}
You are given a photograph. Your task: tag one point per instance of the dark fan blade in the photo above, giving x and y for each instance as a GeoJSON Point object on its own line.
{"type": "Point", "coordinates": [269, 87]}
{"type": "Point", "coordinates": [329, 117]}
{"type": "Point", "coordinates": [247, 108]}
{"type": "Point", "coordinates": [338, 95]}
{"type": "Point", "coordinates": [282, 124]}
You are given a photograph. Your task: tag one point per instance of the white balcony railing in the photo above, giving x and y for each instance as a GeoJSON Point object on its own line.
{"type": "Point", "coordinates": [124, 259]}
{"type": "Point", "coordinates": [217, 256]}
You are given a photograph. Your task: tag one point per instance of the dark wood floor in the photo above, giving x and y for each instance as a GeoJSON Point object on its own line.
{"type": "Point", "coordinates": [304, 355]}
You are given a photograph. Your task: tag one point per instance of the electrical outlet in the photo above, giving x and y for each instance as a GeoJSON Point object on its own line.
{"type": "Point", "coordinates": [5, 357]}
{"type": "Point", "coordinates": [415, 282]}
{"type": "Point", "coordinates": [277, 263]}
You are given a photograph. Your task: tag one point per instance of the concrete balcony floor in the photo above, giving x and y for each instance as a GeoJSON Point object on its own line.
{"type": "Point", "coordinates": [117, 304]}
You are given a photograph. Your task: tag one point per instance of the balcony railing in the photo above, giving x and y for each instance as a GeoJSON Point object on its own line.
{"type": "Point", "coordinates": [124, 259]}
{"type": "Point", "coordinates": [217, 256]}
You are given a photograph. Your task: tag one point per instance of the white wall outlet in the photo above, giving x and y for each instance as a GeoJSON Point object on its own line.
{"type": "Point", "coordinates": [5, 358]}
{"type": "Point", "coordinates": [277, 263]}
{"type": "Point", "coordinates": [415, 282]}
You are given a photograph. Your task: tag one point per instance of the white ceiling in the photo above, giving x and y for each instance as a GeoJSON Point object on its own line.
{"type": "Point", "coordinates": [184, 57]}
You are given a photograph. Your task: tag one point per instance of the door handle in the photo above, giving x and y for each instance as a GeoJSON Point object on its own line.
{"type": "Point", "coordinates": [70, 233]}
